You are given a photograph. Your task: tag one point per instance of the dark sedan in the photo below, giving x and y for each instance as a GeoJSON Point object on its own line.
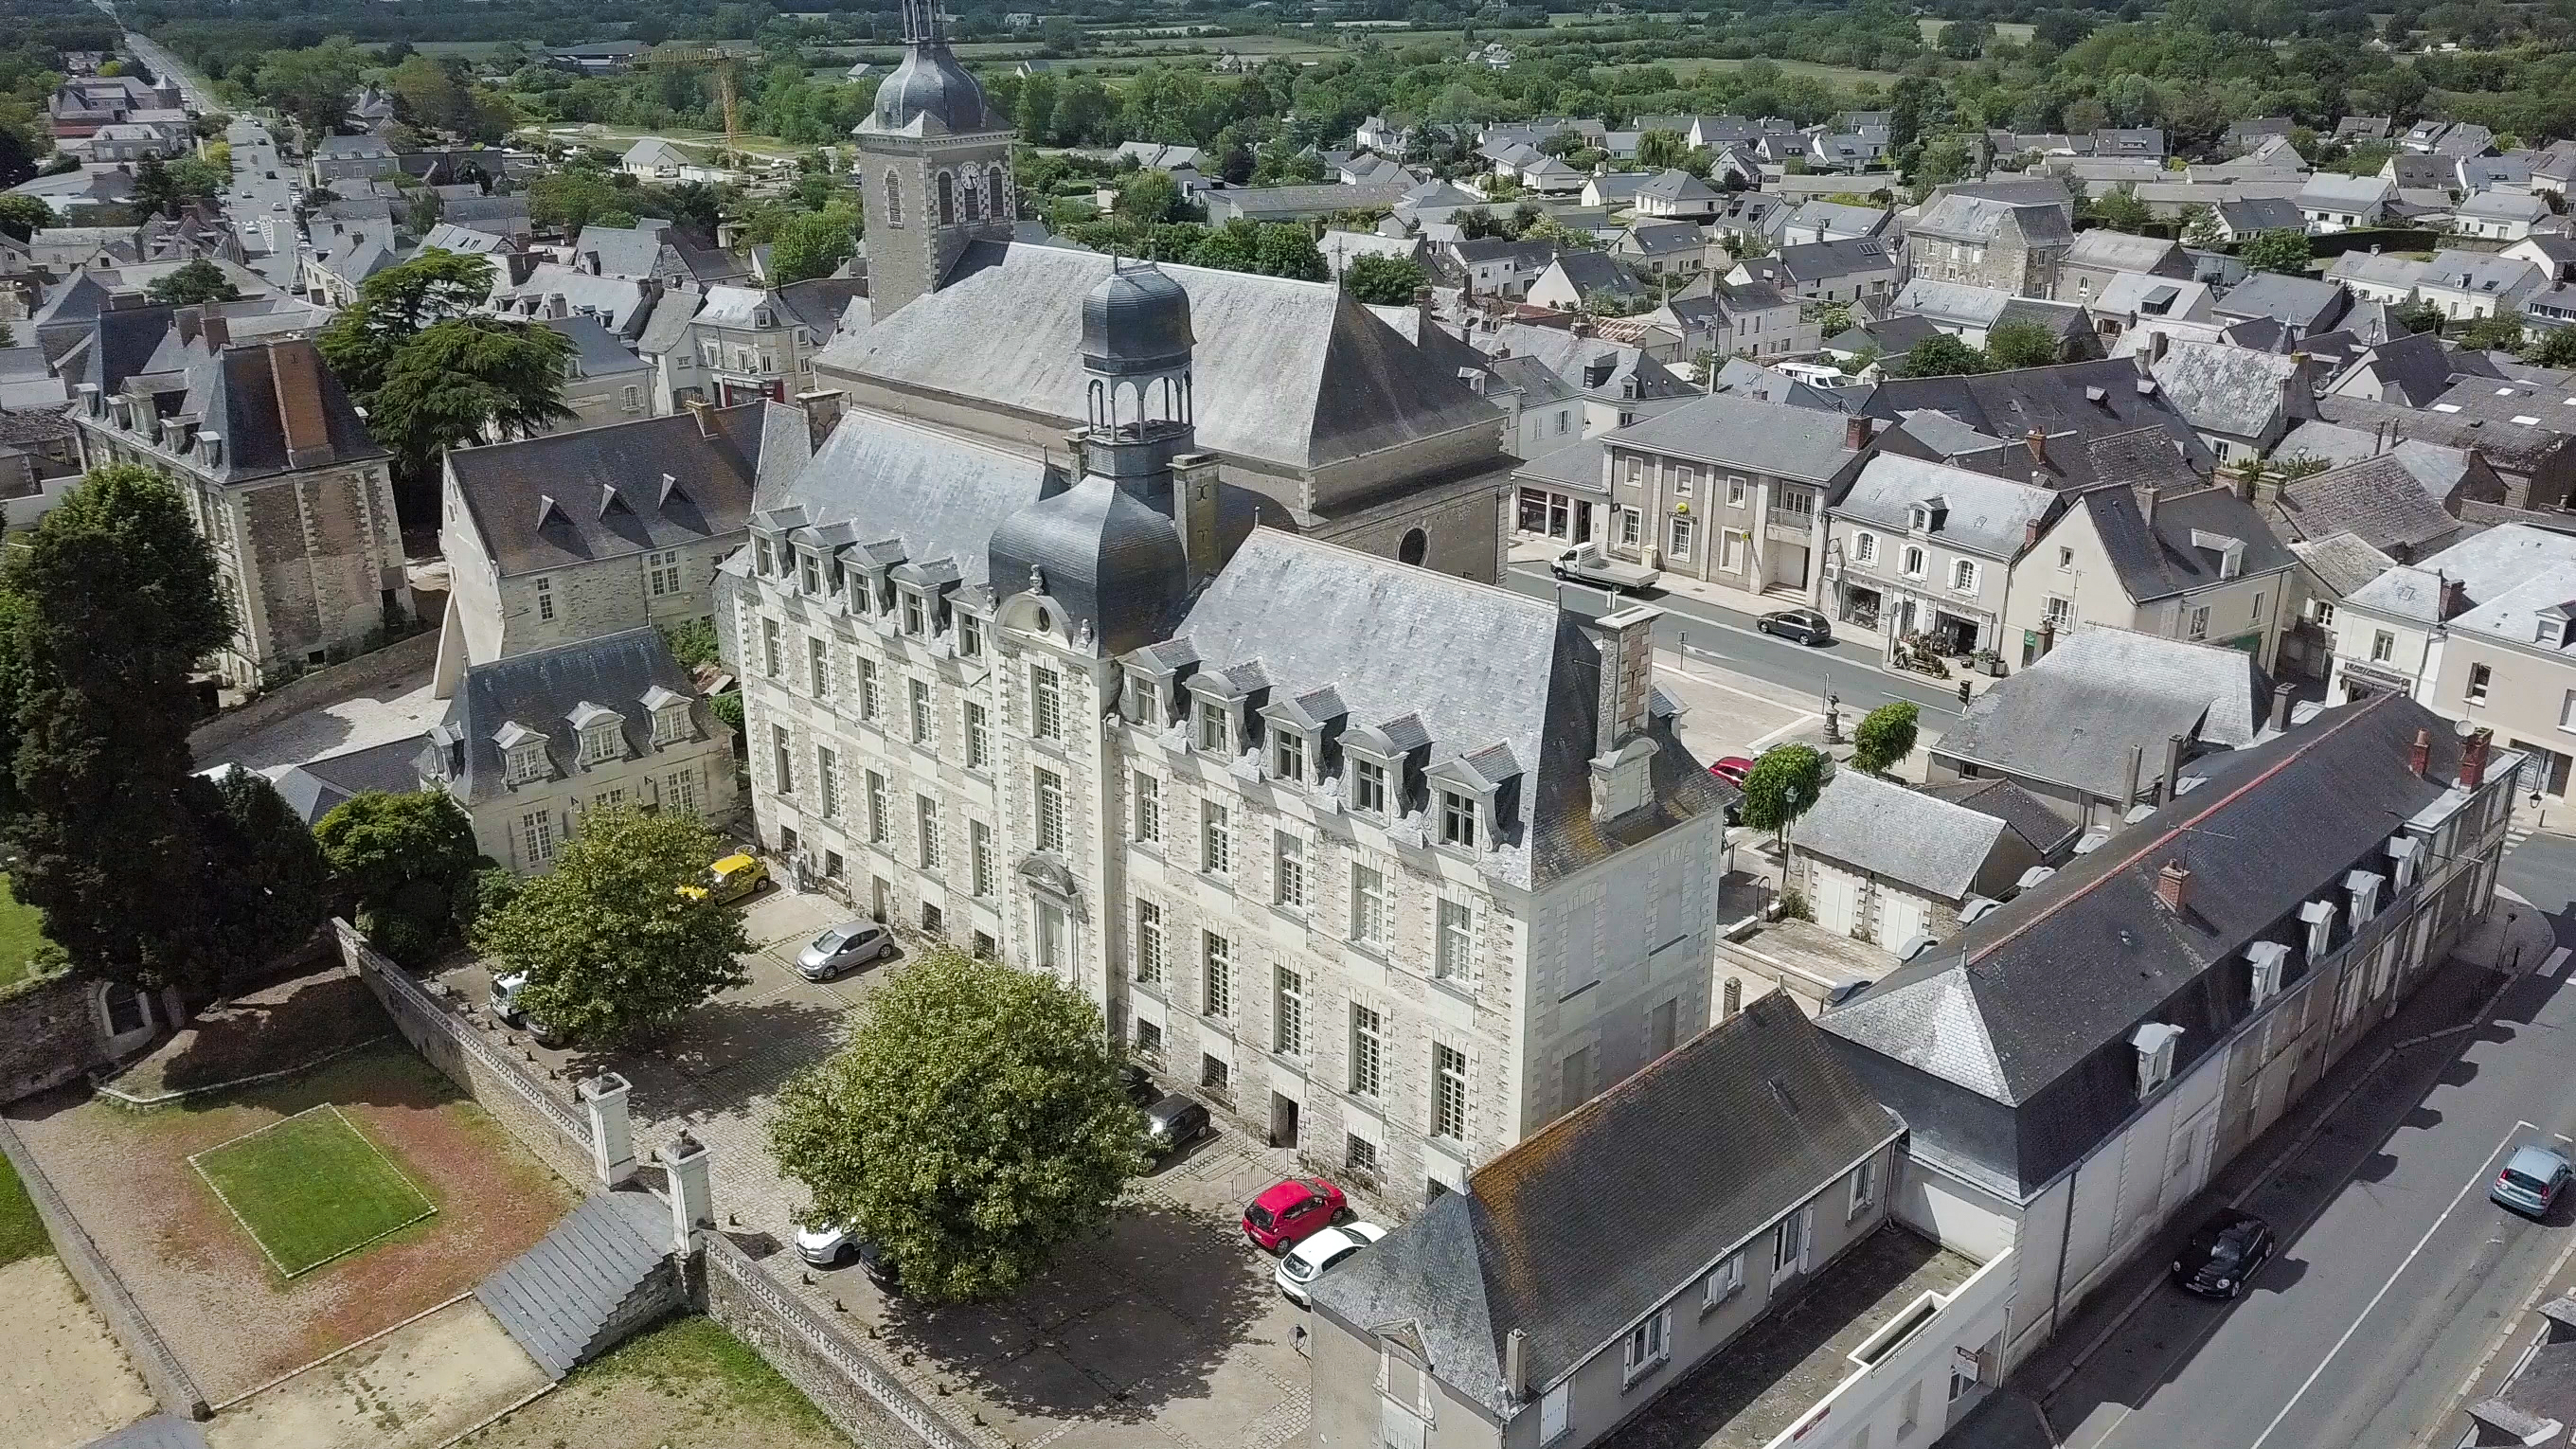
{"type": "Point", "coordinates": [1802, 626]}
{"type": "Point", "coordinates": [2224, 1253]}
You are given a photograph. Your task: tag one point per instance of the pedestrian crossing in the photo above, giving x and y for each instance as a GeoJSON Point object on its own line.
{"type": "Point", "coordinates": [2515, 833]}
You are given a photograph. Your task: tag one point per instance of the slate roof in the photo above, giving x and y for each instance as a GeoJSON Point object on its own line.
{"type": "Point", "coordinates": [1476, 666]}
{"type": "Point", "coordinates": [1820, 261]}
{"type": "Point", "coordinates": [2143, 294]}
{"type": "Point", "coordinates": [597, 349]}
{"type": "Point", "coordinates": [606, 490]}
{"type": "Point", "coordinates": [539, 691]}
{"type": "Point", "coordinates": [1892, 336]}
{"type": "Point", "coordinates": [1590, 272]}
{"type": "Point", "coordinates": [2480, 273]}
{"type": "Point", "coordinates": [2083, 402]}
{"type": "Point", "coordinates": [1577, 1231]}
{"type": "Point", "coordinates": [1571, 358]}
{"type": "Point", "coordinates": [2046, 832]}
{"type": "Point", "coordinates": [1285, 372]}
{"type": "Point", "coordinates": [556, 1300]}
{"type": "Point", "coordinates": [1774, 438]}
{"type": "Point", "coordinates": [2008, 1049]}
{"type": "Point", "coordinates": [2506, 576]}
{"type": "Point", "coordinates": [1662, 238]}
{"type": "Point", "coordinates": [1887, 828]}
{"type": "Point", "coordinates": [1577, 467]}
{"type": "Point", "coordinates": [2382, 501]}
{"type": "Point", "coordinates": [2224, 389]}
{"type": "Point", "coordinates": [1961, 216]}
{"type": "Point", "coordinates": [236, 392]}
{"type": "Point", "coordinates": [2247, 215]}
{"type": "Point", "coordinates": [313, 789]}
{"type": "Point", "coordinates": [2332, 190]}
{"type": "Point", "coordinates": [1676, 186]}
{"type": "Point", "coordinates": [1982, 514]}
{"type": "Point", "coordinates": [2342, 563]}
{"type": "Point", "coordinates": [2071, 716]}
{"type": "Point", "coordinates": [2118, 251]}
{"type": "Point", "coordinates": [2299, 302]}
{"type": "Point", "coordinates": [931, 495]}
{"type": "Point", "coordinates": [2160, 560]}
{"type": "Point", "coordinates": [2512, 447]}
{"type": "Point", "coordinates": [2415, 369]}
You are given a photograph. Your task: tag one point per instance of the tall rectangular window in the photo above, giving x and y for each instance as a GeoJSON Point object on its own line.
{"type": "Point", "coordinates": [771, 658]}
{"type": "Point", "coordinates": [921, 728]}
{"type": "Point", "coordinates": [1368, 905]}
{"type": "Point", "coordinates": [1288, 870]}
{"type": "Point", "coordinates": [869, 699]}
{"type": "Point", "coordinates": [1218, 954]}
{"type": "Point", "coordinates": [914, 619]}
{"type": "Point", "coordinates": [979, 738]}
{"type": "Point", "coordinates": [1448, 1093]}
{"type": "Point", "coordinates": [818, 670]}
{"type": "Point", "coordinates": [1046, 704]}
{"type": "Point", "coordinates": [537, 834]}
{"type": "Point", "coordinates": [1216, 845]}
{"type": "Point", "coordinates": [925, 819]}
{"type": "Point", "coordinates": [1287, 1013]}
{"type": "Point", "coordinates": [979, 851]}
{"type": "Point", "coordinates": [1050, 802]}
{"type": "Point", "coordinates": [1368, 786]}
{"type": "Point", "coordinates": [970, 634]}
{"type": "Point", "coordinates": [1457, 819]}
{"type": "Point", "coordinates": [878, 827]}
{"type": "Point", "coordinates": [783, 759]}
{"type": "Point", "coordinates": [1368, 1051]}
{"type": "Point", "coordinates": [546, 609]}
{"type": "Point", "coordinates": [1454, 955]}
{"type": "Point", "coordinates": [1148, 792]}
{"type": "Point", "coordinates": [680, 792]}
{"type": "Point", "coordinates": [1212, 727]}
{"type": "Point", "coordinates": [827, 781]}
{"type": "Point", "coordinates": [1149, 943]}
{"type": "Point", "coordinates": [1287, 754]}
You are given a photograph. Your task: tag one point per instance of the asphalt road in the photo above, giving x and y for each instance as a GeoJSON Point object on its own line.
{"type": "Point", "coordinates": [1727, 639]}
{"type": "Point", "coordinates": [255, 196]}
{"type": "Point", "coordinates": [2396, 1273]}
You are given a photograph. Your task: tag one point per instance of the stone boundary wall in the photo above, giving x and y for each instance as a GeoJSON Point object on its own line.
{"type": "Point", "coordinates": [162, 1372]}
{"type": "Point", "coordinates": [48, 1035]}
{"type": "Point", "coordinates": [545, 1121]}
{"type": "Point", "coordinates": [861, 1397]}
{"type": "Point", "coordinates": [411, 654]}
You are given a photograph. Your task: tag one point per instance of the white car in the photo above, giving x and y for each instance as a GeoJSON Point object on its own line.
{"type": "Point", "coordinates": [1301, 1265]}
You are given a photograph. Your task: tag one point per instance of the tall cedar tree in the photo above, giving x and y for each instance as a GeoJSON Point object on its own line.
{"type": "Point", "coordinates": [110, 601]}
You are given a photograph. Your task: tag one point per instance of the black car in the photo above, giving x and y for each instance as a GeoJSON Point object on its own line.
{"type": "Point", "coordinates": [1174, 1122]}
{"type": "Point", "coordinates": [1803, 626]}
{"type": "Point", "coordinates": [1137, 1084]}
{"type": "Point", "coordinates": [2224, 1252]}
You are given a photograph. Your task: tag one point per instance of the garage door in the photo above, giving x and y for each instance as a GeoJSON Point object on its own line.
{"type": "Point", "coordinates": [1900, 919]}
{"type": "Point", "coordinates": [1837, 901]}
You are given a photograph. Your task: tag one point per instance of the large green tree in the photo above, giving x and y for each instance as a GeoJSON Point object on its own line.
{"type": "Point", "coordinates": [198, 281]}
{"type": "Point", "coordinates": [1943, 356]}
{"type": "Point", "coordinates": [409, 858]}
{"type": "Point", "coordinates": [105, 608]}
{"type": "Point", "coordinates": [973, 1126]}
{"type": "Point", "coordinates": [2279, 250]}
{"type": "Point", "coordinates": [266, 882]}
{"type": "Point", "coordinates": [1385, 281]}
{"type": "Point", "coordinates": [2020, 344]}
{"type": "Point", "coordinates": [813, 244]}
{"type": "Point", "coordinates": [622, 938]}
{"type": "Point", "coordinates": [1782, 785]}
{"type": "Point", "coordinates": [23, 216]}
{"type": "Point", "coordinates": [1885, 736]}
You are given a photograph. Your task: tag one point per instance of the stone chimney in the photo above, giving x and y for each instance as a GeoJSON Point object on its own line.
{"type": "Point", "coordinates": [822, 414]}
{"type": "Point", "coordinates": [217, 331]}
{"type": "Point", "coordinates": [1194, 510]}
{"type": "Point", "coordinates": [705, 412]}
{"type": "Point", "coordinates": [2280, 708]}
{"type": "Point", "coordinates": [2157, 342]}
{"type": "Point", "coordinates": [1856, 431]}
{"type": "Point", "coordinates": [296, 367]}
{"type": "Point", "coordinates": [2037, 442]}
{"type": "Point", "coordinates": [2047, 637]}
{"type": "Point", "coordinates": [1516, 1364]}
{"type": "Point", "coordinates": [2173, 886]}
{"type": "Point", "coordinates": [2147, 503]}
{"type": "Point", "coordinates": [2473, 759]}
{"type": "Point", "coordinates": [2454, 596]}
{"type": "Point", "coordinates": [2419, 754]}
{"type": "Point", "coordinates": [2137, 767]}
{"type": "Point", "coordinates": [1623, 753]}
{"type": "Point", "coordinates": [2172, 777]}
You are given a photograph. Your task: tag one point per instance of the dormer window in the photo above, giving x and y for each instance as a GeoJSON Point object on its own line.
{"type": "Point", "coordinates": [1287, 755]}
{"type": "Point", "coordinates": [1144, 704]}
{"type": "Point", "coordinates": [524, 762]}
{"type": "Point", "coordinates": [2364, 886]}
{"type": "Point", "coordinates": [2319, 916]}
{"type": "Point", "coordinates": [916, 614]}
{"type": "Point", "coordinates": [670, 724]}
{"type": "Point", "coordinates": [1368, 786]}
{"type": "Point", "coordinates": [2155, 1047]}
{"type": "Point", "coordinates": [2402, 850]}
{"type": "Point", "coordinates": [1919, 518]}
{"type": "Point", "coordinates": [1215, 732]}
{"type": "Point", "coordinates": [1457, 819]}
{"type": "Point", "coordinates": [970, 635]}
{"type": "Point", "coordinates": [760, 561]}
{"type": "Point", "coordinates": [2268, 964]}
{"type": "Point", "coordinates": [812, 572]}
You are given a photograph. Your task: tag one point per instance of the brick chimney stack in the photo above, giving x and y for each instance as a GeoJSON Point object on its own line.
{"type": "Point", "coordinates": [1855, 434]}
{"type": "Point", "coordinates": [2473, 759]}
{"type": "Point", "coordinates": [2173, 885]}
{"type": "Point", "coordinates": [2419, 755]}
{"type": "Point", "coordinates": [2037, 442]}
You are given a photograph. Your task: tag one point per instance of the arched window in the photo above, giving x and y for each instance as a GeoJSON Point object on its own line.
{"type": "Point", "coordinates": [997, 191]}
{"type": "Point", "coordinates": [974, 194]}
{"type": "Point", "coordinates": [947, 199]}
{"type": "Point", "coordinates": [1416, 544]}
{"type": "Point", "coordinates": [893, 201]}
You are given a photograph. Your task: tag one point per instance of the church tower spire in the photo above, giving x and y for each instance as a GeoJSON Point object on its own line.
{"type": "Point", "coordinates": [934, 167]}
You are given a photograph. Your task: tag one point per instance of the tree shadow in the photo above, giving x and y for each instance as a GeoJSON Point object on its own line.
{"type": "Point", "coordinates": [1121, 1329]}
{"type": "Point", "coordinates": [279, 1027]}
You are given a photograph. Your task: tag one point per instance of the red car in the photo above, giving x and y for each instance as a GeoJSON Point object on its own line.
{"type": "Point", "coordinates": [1290, 1210]}
{"type": "Point", "coordinates": [1732, 770]}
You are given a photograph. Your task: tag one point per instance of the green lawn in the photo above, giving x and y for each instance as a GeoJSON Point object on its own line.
{"type": "Point", "coordinates": [22, 1233]}
{"type": "Point", "coordinates": [311, 1188]}
{"type": "Point", "coordinates": [22, 930]}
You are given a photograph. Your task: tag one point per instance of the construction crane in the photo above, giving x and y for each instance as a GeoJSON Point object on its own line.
{"type": "Point", "coordinates": [722, 60]}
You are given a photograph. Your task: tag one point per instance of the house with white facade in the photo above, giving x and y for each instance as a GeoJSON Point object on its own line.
{"type": "Point", "coordinates": [2333, 202]}
{"type": "Point", "coordinates": [2470, 285]}
{"type": "Point", "coordinates": [2500, 215]}
{"type": "Point", "coordinates": [2193, 563]}
{"type": "Point", "coordinates": [1923, 551]}
{"type": "Point", "coordinates": [1730, 490]}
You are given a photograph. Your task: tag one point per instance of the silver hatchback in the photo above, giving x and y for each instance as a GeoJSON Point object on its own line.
{"type": "Point", "coordinates": [845, 947]}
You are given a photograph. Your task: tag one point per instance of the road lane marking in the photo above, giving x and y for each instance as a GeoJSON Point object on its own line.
{"type": "Point", "coordinates": [2403, 1264]}
{"type": "Point", "coordinates": [2557, 958]}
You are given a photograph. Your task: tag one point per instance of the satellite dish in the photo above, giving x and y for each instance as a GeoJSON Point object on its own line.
{"type": "Point", "coordinates": [2464, 728]}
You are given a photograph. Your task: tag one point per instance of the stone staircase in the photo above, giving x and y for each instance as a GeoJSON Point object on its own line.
{"type": "Point", "coordinates": [604, 1272]}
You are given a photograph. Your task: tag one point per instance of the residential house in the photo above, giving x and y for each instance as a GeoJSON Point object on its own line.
{"type": "Point", "coordinates": [1883, 862]}
{"type": "Point", "coordinates": [1829, 221]}
{"type": "Point", "coordinates": [2353, 130]}
{"type": "Point", "coordinates": [2554, 255]}
{"type": "Point", "coordinates": [281, 478]}
{"type": "Point", "coordinates": [2500, 215]}
{"type": "Point", "coordinates": [2240, 219]}
{"type": "Point", "coordinates": [1736, 319]}
{"type": "Point", "coordinates": [658, 253]}
{"type": "Point", "coordinates": [1662, 248]}
{"type": "Point", "coordinates": [2239, 400]}
{"type": "Point", "coordinates": [1561, 494]}
{"type": "Point", "coordinates": [2097, 421]}
{"type": "Point", "coordinates": [1341, 248]}
{"type": "Point", "coordinates": [533, 742]}
{"type": "Point", "coordinates": [2456, 139]}
{"type": "Point", "coordinates": [2406, 503]}
{"type": "Point", "coordinates": [1676, 195]}
{"type": "Point", "coordinates": [1579, 281]}
{"type": "Point", "coordinates": [2378, 277]}
{"type": "Point", "coordinates": [2411, 371]}
{"type": "Point", "coordinates": [1493, 266]}
{"type": "Point", "coordinates": [1609, 384]}
{"type": "Point", "coordinates": [1845, 271]}
{"type": "Point", "coordinates": [2127, 300]}
{"type": "Point", "coordinates": [2104, 717]}
{"type": "Point", "coordinates": [1922, 552]}
{"type": "Point", "coordinates": [604, 380]}
{"type": "Point", "coordinates": [2101, 254]}
{"type": "Point", "coordinates": [1750, 216]}
{"type": "Point", "coordinates": [2303, 305]}
{"type": "Point", "coordinates": [728, 345]}
{"type": "Point", "coordinates": [1613, 189]}
{"type": "Point", "coordinates": [2467, 285]}
{"type": "Point", "coordinates": [2166, 997]}
{"type": "Point", "coordinates": [2333, 202]}
{"type": "Point", "coordinates": [1593, 1285]}
{"type": "Point", "coordinates": [1731, 491]}
{"type": "Point", "coordinates": [2194, 564]}
{"type": "Point", "coordinates": [2331, 570]}
{"type": "Point", "coordinates": [2537, 464]}
{"type": "Point", "coordinates": [2016, 247]}
{"type": "Point", "coordinates": [572, 535]}
{"type": "Point", "coordinates": [551, 289]}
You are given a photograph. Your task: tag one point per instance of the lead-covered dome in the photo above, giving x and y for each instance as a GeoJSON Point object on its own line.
{"type": "Point", "coordinates": [1104, 556]}
{"type": "Point", "coordinates": [1136, 321]}
{"type": "Point", "coordinates": [930, 86]}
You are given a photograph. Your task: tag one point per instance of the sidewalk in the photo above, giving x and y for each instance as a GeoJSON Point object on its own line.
{"type": "Point", "coordinates": [2360, 1100]}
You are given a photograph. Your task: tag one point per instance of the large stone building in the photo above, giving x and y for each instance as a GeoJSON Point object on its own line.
{"type": "Point", "coordinates": [1393, 863]}
{"type": "Point", "coordinates": [934, 168]}
{"type": "Point", "coordinates": [279, 473]}
{"type": "Point", "coordinates": [2019, 248]}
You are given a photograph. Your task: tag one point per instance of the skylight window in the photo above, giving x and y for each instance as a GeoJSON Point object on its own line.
{"type": "Point", "coordinates": [2446, 407]}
